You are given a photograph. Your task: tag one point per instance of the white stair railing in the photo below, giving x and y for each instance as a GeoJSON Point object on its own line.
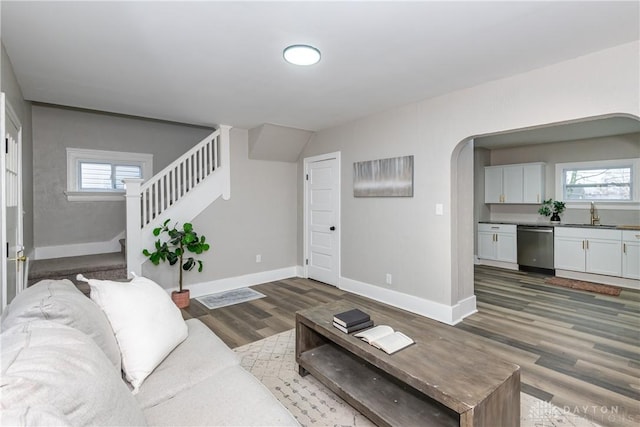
{"type": "Point", "coordinates": [200, 175]}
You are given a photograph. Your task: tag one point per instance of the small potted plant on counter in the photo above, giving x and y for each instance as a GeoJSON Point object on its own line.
{"type": "Point", "coordinates": [173, 250]}
{"type": "Point", "coordinates": [552, 208]}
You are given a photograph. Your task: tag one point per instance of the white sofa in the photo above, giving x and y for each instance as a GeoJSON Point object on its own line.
{"type": "Point", "coordinates": [61, 365]}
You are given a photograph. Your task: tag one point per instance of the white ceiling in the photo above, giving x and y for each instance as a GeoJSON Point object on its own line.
{"type": "Point", "coordinates": [209, 63]}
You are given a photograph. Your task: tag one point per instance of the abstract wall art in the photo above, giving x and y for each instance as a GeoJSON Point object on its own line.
{"type": "Point", "coordinates": [384, 178]}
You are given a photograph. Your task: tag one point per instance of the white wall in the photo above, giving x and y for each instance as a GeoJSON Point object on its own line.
{"type": "Point", "coordinates": [259, 218]}
{"type": "Point", "coordinates": [404, 236]}
{"type": "Point", "coordinates": [58, 222]}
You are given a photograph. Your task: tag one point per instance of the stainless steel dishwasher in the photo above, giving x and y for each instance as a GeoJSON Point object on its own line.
{"type": "Point", "coordinates": [535, 248]}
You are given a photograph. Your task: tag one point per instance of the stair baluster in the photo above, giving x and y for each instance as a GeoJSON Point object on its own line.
{"type": "Point", "coordinates": [200, 175]}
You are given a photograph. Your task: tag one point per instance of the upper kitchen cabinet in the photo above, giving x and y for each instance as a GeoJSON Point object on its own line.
{"type": "Point", "coordinates": [521, 183]}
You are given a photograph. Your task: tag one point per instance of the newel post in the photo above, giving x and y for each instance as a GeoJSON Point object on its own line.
{"type": "Point", "coordinates": [134, 226]}
{"type": "Point", "coordinates": [225, 156]}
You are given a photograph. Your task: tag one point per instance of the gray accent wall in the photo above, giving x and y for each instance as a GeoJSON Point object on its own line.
{"type": "Point", "coordinates": [58, 221]}
{"type": "Point", "coordinates": [258, 219]}
{"type": "Point", "coordinates": [22, 108]}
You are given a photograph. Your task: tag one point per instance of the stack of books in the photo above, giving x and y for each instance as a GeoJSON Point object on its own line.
{"type": "Point", "coordinates": [352, 320]}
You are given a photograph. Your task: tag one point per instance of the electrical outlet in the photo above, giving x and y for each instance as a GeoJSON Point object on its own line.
{"type": "Point", "coordinates": [258, 258]}
{"type": "Point", "coordinates": [389, 279]}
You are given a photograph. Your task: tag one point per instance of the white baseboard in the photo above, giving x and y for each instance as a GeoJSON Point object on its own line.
{"type": "Point", "coordinates": [599, 278]}
{"type": "Point", "coordinates": [229, 283]}
{"type": "Point", "coordinates": [424, 307]}
{"type": "Point", "coordinates": [79, 249]}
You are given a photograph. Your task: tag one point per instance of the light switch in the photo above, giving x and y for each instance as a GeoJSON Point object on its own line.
{"type": "Point", "coordinates": [439, 209]}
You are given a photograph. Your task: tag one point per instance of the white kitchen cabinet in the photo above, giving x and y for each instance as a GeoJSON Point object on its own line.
{"type": "Point", "coordinates": [631, 254]}
{"type": "Point", "coordinates": [533, 183]}
{"type": "Point", "coordinates": [493, 184]}
{"type": "Point", "coordinates": [568, 253]}
{"type": "Point", "coordinates": [521, 183]}
{"type": "Point", "coordinates": [588, 250]}
{"type": "Point", "coordinates": [497, 242]}
{"type": "Point", "coordinates": [512, 184]}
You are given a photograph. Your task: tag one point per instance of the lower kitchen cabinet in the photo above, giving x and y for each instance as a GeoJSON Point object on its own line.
{"type": "Point", "coordinates": [588, 250]}
{"type": "Point", "coordinates": [631, 254]}
{"type": "Point", "coordinates": [497, 242]}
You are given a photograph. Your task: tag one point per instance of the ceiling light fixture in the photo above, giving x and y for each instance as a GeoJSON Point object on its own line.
{"type": "Point", "coordinates": [301, 54]}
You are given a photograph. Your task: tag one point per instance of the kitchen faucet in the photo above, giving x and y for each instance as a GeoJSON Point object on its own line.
{"type": "Point", "coordinates": [595, 220]}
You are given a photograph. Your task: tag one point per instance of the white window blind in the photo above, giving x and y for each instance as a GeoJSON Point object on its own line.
{"type": "Point", "coordinates": [106, 176]}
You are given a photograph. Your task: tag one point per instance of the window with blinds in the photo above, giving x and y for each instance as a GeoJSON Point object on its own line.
{"type": "Point", "coordinates": [106, 176]}
{"type": "Point", "coordinates": [98, 174]}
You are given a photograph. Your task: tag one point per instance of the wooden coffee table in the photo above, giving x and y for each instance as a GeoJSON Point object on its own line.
{"type": "Point", "coordinates": [438, 381]}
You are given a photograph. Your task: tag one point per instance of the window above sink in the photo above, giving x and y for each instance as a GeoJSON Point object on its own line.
{"type": "Point", "coordinates": [613, 184]}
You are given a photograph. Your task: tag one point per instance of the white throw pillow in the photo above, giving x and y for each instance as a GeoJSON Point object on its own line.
{"type": "Point", "coordinates": [147, 324]}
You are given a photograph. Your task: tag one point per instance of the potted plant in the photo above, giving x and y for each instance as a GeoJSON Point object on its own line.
{"type": "Point", "coordinates": [173, 250]}
{"type": "Point", "coordinates": [552, 208]}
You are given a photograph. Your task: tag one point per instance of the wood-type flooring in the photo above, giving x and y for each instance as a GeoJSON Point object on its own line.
{"type": "Point", "coordinates": [577, 350]}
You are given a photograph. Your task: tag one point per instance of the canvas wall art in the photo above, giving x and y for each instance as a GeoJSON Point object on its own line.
{"type": "Point", "coordinates": [384, 178]}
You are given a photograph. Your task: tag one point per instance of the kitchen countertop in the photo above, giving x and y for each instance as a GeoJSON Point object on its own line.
{"type": "Point", "coordinates": [549, 224]}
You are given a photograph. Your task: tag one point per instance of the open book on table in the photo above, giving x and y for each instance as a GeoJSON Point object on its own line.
{"type": "Point", "coordinates": [385, 338]}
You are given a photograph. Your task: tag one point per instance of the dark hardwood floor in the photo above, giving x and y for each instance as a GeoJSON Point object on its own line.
{"type": "Point", "coordinates": [577, 350]}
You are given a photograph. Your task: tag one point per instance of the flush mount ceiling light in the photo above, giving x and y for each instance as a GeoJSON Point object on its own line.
{"type": "Point", "coordinates": [301, 54]}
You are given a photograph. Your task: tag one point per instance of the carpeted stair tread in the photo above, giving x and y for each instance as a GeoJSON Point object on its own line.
{"type": "Point", "coordinates": [111, 266]}
{"type": "Point", "coordinates": [48, 268]}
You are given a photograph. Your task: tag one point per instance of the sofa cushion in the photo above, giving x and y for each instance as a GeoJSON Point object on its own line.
{"type": "Point", "coordinates": [231, 397]}
{"type": "Point", "coordinates": [147, 324]}
{"type": "Point", "coordinates": [198, 357]}
{"type": "Point", "coordinates": [61, 302]}
{"type": "Point", "coordinates": [24, 416]}
{"type": "Point", "coordinates": [45, 365]}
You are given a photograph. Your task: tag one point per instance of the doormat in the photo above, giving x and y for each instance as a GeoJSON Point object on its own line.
{"type": "Point", "coordinates": [226, 298]}
{"type": "Point", "coordinates": [584, 286]}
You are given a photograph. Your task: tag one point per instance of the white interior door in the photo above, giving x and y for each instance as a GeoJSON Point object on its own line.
{"type": "Point", "coordinates": [13, 260]}
{"type": "Point", "coordinates": [322, 212]}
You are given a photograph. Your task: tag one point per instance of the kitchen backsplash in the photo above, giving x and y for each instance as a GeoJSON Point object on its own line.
{"type": "Point", "coordinates": [529, 213]}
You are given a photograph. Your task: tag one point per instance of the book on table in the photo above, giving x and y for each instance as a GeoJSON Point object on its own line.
{"type": "Point", "coordinates": [356, 327]}
{"type": "Point", "coordinates": [351, 317]}
{"type": "Point", "coordinates": [385, 338]}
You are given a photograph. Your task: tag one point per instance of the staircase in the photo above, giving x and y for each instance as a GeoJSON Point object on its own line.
{"type": "Point", "coordinates": [109, 266]}
{"type": "Point", "coordinates": [180, 191]}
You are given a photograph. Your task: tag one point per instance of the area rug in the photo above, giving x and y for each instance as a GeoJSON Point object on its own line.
{"type": "Point", "coordinates": [227, 298]}
{"type": "Point", "coordinates": [584, 286]}
{"type": "Point", "coordinates": [272, 361]}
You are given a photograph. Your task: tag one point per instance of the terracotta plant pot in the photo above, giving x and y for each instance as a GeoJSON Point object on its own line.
{"type": "Point", "coordinates": [181, 298]}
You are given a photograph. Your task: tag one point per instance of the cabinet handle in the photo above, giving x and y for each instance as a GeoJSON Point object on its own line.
{"type": "Point", "coordinates": [583, 245]}
{"type": "Point", "coordinates": [496, 237]}
{"type": "Point", "coordinates": [624, 248]}
{"type": "Point", "coordinates": [587, 245]}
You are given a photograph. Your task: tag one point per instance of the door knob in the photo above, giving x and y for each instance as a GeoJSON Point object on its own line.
{"type": "Point", "coordinates": [332, 228]}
